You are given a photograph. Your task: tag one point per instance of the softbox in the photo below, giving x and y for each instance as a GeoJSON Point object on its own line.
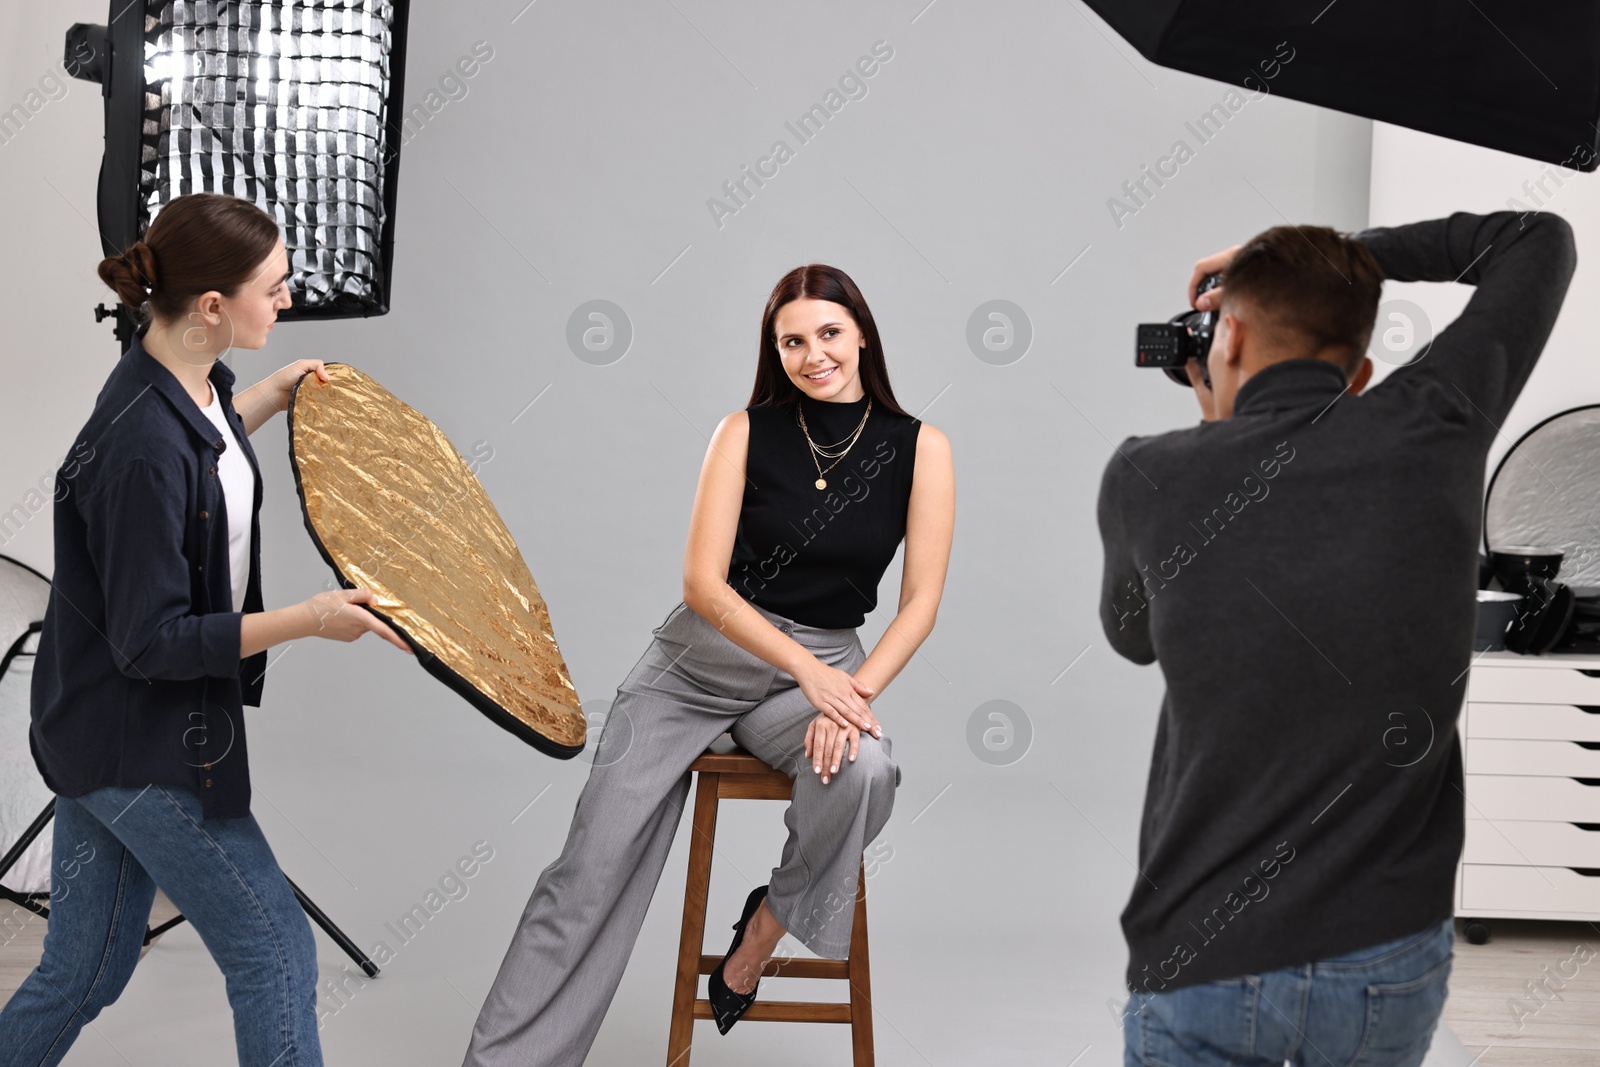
{"type": "Point", "coordinates": [292, 106]}
{"type": "Point", "coordinates": [24, 595]}
{"type": "Point", "coordinates": [1487, 72]}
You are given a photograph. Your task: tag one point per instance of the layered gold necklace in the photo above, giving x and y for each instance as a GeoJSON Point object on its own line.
{"type": "Point", "coordinates": [827, 451]}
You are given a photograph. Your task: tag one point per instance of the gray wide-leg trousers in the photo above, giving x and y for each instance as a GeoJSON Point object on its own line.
{"type": "Point", "coordinates": [579, 927]}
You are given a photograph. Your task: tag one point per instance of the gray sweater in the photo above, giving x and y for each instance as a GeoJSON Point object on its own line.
{"type": "Point", "coordinates": [1305, 573]}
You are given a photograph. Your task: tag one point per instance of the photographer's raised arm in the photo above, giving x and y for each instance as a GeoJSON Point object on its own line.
{"type": "Point", "coordinates": [1521, 266]}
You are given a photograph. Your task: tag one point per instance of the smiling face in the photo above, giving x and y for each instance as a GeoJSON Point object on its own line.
{"type": "Point", "coordinates": [820, 345]}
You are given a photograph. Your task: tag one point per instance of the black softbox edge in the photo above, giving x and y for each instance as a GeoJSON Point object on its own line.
{"type": "Point", "coordinates": [1374, 85]}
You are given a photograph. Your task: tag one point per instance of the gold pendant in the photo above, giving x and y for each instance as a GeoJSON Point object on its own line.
{"type": "Point", "coordinates": [822, 483]}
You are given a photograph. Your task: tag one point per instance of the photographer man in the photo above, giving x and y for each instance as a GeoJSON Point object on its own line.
{"type": "Point", "coordinates": [1303, 564]}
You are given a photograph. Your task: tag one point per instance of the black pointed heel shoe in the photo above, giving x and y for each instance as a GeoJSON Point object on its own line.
{"type": "Point", "coordinates": [727, 1006]}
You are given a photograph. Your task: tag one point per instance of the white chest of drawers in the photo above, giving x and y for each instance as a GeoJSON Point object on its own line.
{"type": "Point", "coordinates": [1530, 736]}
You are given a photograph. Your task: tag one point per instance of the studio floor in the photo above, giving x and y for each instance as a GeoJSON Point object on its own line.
{"type": "Point", "coordinates": [1498, 1019]}
{"type": "Point", "coordinates": [1494, 1017]}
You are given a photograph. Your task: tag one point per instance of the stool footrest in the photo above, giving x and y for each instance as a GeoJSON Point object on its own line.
{"type": "Point", "coordinates": [785, 1011]}
{"type": "Point", "coordinates": [774, 785]}
{"type": "Point", "coordinates": [796, 968]}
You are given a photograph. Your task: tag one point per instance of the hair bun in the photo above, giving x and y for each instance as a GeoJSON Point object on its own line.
{"type": "Point", "coordinates": [142, 258]}
{"type": "Point", "coordinates": [131, 274]}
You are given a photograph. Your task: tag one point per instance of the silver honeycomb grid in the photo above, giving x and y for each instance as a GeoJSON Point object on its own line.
{"type": "Point", "coordinates": [284, 105]}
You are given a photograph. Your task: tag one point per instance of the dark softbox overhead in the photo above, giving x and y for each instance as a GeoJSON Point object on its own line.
{"type": "Point", "coordinates": [1487, 72]}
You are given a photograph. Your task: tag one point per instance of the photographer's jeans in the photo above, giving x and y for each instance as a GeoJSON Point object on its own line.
{"type": "Point", "coordinates": [1377, 1007]}
{"type": "Point", "coordinates": [112, 848]}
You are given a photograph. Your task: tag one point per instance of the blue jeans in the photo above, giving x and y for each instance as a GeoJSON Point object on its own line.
{"type": "Point", "coordinates": [1374, 1008]}
{"type": "Point", "coordinates": [113, 847]}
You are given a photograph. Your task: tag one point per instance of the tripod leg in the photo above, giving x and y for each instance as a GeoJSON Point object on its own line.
{"type": "Point", "coordinates": [14, 853]}
{"type": "Point", "coordinates": [150, 934]}
{"type": "Point", "coordinates": [24, 900]}
{"type": "Point", "coordinates": [333, 931]}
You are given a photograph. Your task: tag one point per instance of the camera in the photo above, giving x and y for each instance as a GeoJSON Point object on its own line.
{"type": "Point", "coordinates": [1172, 344]}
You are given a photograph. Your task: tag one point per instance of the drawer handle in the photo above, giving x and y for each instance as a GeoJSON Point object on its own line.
{"type": "Point", "coordinates": [1587, 781]}
{"type": "Point", "coordinates": [1589, 709]}
{"type": "Point", "coordinates": [1591, 827]}
{"type": "Point", "coordinates": [1592, 746]}
{"type": "Point", "coordinates": [1587, 872]}
{"type": "Point", "coordinates": [1588, 673]}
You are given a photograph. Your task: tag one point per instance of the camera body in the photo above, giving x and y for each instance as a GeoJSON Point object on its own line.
{"type": "Point", "coordinates": [1170, 345]}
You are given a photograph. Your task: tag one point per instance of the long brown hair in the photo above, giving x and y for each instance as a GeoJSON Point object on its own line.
{"type": "Point", "coordinates": [820, 282]}
{"type": "Point", "coordinates": [197, 243]}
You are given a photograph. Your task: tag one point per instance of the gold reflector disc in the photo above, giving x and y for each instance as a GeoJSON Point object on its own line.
{"type": "Point", "coordinates": [394, 508]}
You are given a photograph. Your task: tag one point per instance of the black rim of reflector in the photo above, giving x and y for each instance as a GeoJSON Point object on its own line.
{"type": "Point", "coordinates": [430, 663]}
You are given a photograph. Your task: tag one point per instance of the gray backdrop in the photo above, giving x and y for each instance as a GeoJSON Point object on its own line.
{"type": "Point", "coordinates": [975, 165]}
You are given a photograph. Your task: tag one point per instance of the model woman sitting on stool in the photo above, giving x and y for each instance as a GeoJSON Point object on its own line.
{"type": "Point", "coordinates": [803, 500]}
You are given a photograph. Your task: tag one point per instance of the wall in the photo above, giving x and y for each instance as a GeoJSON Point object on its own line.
{"type": "Point", "coordinates": [1416, 175]}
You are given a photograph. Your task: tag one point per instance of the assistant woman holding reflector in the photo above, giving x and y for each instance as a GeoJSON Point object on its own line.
{"type": "Point", "coordinates": [154, 640]}
{"type": "Point", "coordinates": [803, 500]}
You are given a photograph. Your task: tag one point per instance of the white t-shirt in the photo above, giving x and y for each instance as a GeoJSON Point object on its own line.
{"type": "Point", "coordinates": [239, 490]}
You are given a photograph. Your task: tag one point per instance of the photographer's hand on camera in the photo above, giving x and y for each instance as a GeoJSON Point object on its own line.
{"type": "Point", "coordinates": [1212, 264]}
{"type": "Point", "coordinates": [1210, 300]}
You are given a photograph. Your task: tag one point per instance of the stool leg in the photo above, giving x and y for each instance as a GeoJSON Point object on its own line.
{"type": "Point", "coordinates": [691, 941]}
{"type": "Point", "coordinates": [860, 978]}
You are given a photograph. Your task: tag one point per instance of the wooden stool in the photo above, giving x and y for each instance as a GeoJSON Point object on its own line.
{"type": "Point", "coordinates": [738, 775]}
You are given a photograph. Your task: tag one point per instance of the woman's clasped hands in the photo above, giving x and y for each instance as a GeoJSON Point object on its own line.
{"type": "Point", "coordinates": [844, 715]}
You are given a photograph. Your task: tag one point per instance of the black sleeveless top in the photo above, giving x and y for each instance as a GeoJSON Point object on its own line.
{"type": "Point", "coordinates": [816, 555]}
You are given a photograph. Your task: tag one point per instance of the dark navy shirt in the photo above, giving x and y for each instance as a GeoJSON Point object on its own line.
{"type": "Point", "coordinates": [138, 679]}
